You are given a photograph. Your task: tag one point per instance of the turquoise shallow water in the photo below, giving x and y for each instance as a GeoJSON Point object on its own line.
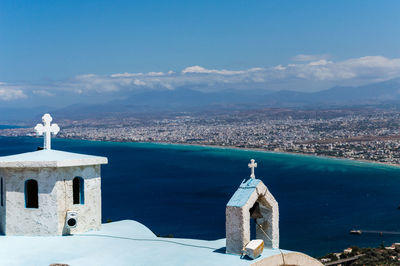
{"type": "Point", "coordinates": [183, 190]}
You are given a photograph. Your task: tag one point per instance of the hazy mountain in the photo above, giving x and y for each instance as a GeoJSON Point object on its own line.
{"type": "Point", "coordinates": [21, 114]}
{"type": "Point", "coordinates": [376, 93]}
{"type": "Point", "coordinates": [182, 99]}
{"type": "Point", "coordinates": [186, 99]}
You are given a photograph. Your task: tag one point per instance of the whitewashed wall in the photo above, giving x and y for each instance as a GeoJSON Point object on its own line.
{"type": "Point", "coordinates": [55, 199]}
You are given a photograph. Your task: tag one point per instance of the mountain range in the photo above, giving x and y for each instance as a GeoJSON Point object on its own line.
{"type": "Point", "coordinates": [182, 99]}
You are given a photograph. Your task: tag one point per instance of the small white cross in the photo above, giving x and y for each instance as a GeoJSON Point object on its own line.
{"type": "Point", "coordinates": [46, 130]}
{"type": "Point", "coordinates": [252, 165]}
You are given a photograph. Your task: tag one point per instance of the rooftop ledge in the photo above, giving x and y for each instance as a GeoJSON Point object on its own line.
{"type": "Point", "coordinates": [49, 158]}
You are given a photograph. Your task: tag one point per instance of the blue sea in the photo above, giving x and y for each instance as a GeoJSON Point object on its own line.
{"type": "Point", "coordinates": [8, 126]}
{"type": "Point", "coordinates": [182, 190]}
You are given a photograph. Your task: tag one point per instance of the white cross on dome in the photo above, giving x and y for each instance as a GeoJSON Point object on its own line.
{"type": "Point", "coordinates": [46, 130]}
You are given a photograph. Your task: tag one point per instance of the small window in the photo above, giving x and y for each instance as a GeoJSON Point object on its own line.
{"type": "Point", "coordinates": [31, 194]}
{"type": "Point", "coordinates": [78, 190]}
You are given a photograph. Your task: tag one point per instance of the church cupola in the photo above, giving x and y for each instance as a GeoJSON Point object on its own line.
{"type": "Point", "coordinates": [50, 192]}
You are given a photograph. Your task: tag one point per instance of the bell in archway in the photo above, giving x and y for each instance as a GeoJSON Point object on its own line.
{"type": "Point", "coordinates": [255, 212]}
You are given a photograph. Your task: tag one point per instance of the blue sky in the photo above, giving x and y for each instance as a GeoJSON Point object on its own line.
{"type": "Point", "coordinates": [48, 43]}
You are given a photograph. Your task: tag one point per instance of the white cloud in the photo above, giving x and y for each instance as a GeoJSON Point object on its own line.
{"type": "Point", "coordinates": [8, 94]}
{"type": "Point", "coordinates": [125, 75]}
{"type": "Point", "coordinates": [155, 74]}
{"type": "Point", "coordinates": [355, 71]}
{"type": "Point", "coordinates": [363, 70]}
{"type": "Point", "coordinates": [302, 76]}
{"type": "Point", "coordinates": [44, 93]}
{"type": "Point", "coordinates": [279, 67]}
{"type": "Point", "coordinates": [202, 70]}
{"type": "Point", "coordinates": [321, 62]}
{"type": "Point", "coordinates": [310, 57]}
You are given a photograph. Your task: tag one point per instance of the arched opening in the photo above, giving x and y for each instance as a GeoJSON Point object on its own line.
{"type": "Point", "coordinates": [78, 191]}
{"type": "Point", "coordinates": [255, 213]}
{"type": "Point", "coordinates": [31, 194]}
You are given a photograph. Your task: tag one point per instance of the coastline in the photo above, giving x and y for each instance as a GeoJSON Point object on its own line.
{"type": "Point", "coordinates": [279, 152]}
{"type": "Point", "coordinates": [349, 160]}
{"type": "Point", "coordinates": [253, 149]}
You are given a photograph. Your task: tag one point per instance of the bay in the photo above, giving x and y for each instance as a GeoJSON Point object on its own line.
{"type": "Point", "coordinates": [8, 126]}
{"type": "Point", "coordinates": [182, 190]}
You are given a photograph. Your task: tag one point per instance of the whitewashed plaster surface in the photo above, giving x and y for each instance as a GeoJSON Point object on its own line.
{"type": "Point", "coordinates": [131, 243]}
{"type": "Point", "coordinates": [49, 158]}
{"type": "Point", "coordinates": [55, 199]}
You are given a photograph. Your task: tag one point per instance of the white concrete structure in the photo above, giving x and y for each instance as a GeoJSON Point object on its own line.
{"type": "Point", "coordinates": [37, 189]}
{"type": "Point", "coordinates": [254, 197]}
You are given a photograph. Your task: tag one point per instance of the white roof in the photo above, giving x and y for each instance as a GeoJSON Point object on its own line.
{"type": "Point", "coordinates": [50, 158]}
{"type": "Point", "coordinates": [122, 243]}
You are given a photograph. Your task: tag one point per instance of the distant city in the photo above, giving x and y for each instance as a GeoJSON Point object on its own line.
{"type": "Point", "coordinates": [371, 134]}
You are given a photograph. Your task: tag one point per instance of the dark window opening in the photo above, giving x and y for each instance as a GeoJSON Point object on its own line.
{"type": "Point", "coordinates": [1, 187]}
{"type": "Point", "coordinates": [255, 213]}
{"type": "Point", "coordinates": [31, 194]}
{"type": "Point", "coordinates": [78, 192]}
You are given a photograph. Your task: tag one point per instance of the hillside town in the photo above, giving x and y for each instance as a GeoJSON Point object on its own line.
{"type": "Point", "coordinates": [359, 134]}
{"type": "Point", "coordinates": [355, 256]}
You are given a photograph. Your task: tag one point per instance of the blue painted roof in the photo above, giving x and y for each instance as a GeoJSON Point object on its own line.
{"type": "Point", "coordinates": [118, 243]}
{"type": "Point", "coordinates": [243, 193]}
